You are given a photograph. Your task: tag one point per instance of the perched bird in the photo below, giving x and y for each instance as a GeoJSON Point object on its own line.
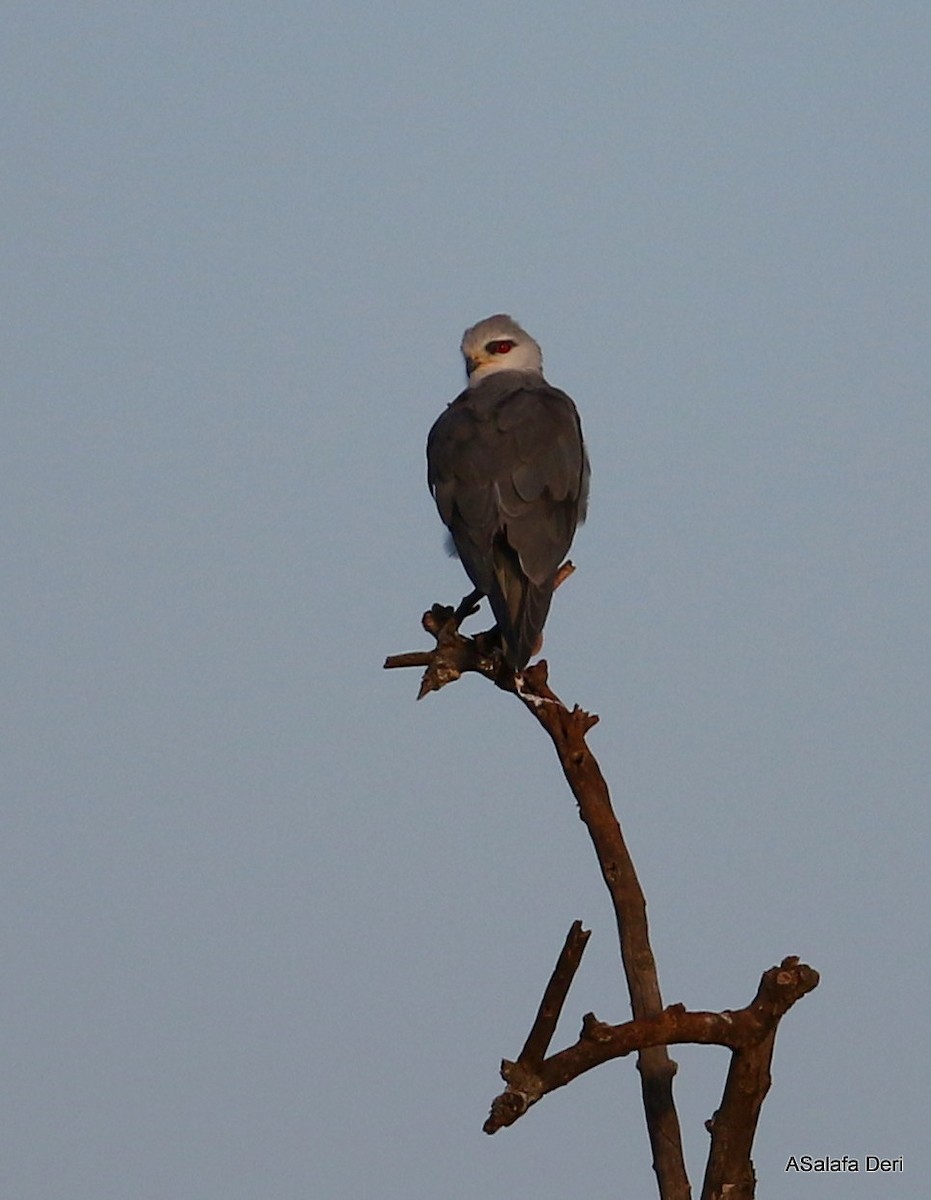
{"type": "Point", "coordinates": [508, 469]}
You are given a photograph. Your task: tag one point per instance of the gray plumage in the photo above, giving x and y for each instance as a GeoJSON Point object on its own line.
{"type": "Point", "coordinates": [507, 467]}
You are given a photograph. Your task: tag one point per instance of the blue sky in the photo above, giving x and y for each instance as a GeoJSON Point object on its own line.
{"type": "Point", "coordinates": [269, 924]}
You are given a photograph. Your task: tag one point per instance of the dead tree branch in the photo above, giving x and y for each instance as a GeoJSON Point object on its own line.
{"type": "Point", "coordinates": [729, 1172]}
{"type": "Point", "coordinates": [454, 655]}
{"type": "Point", "coordinates": [749, 1032]}
{"type": "Point", "coordinates": [541, 1034]}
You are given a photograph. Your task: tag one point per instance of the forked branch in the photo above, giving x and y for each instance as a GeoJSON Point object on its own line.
{"type": "Point", "coordinates": [454, 655]}
{"type": "Point", "coordinates": [749, 1032]}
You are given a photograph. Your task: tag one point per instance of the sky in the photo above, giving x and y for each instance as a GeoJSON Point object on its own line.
{"type": "Point", "coordinates": [268, 924]}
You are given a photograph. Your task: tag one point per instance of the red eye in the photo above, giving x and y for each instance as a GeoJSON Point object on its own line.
{"type": "Point", "coordinates": [502, 347]}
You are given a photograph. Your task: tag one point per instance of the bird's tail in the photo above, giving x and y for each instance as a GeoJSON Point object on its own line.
{"type": "Point", "coordinates": [520, 607]}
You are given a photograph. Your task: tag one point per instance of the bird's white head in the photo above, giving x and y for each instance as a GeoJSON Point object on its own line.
{"type": "Point", "coordinates": [499, 344]}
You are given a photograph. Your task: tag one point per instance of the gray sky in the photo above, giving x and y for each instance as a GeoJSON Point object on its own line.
{"type": "Point", "coordinates": [269, 925]}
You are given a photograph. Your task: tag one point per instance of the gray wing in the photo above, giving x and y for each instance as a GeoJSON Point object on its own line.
{"type": "Point", "coordinates": [508, 469]}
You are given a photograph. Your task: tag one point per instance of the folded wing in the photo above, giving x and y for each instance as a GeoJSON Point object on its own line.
{"type": "Point", "coordinates": [508, 469]}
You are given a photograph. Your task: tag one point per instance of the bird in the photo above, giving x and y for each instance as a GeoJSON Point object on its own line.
{"type": "Point", "coordinates": [508, 469]}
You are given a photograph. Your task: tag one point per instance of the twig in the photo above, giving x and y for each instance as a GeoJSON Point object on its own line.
{"type": "Point", "coordinates": [541, 1034]}
{"type": "Point", "coordinates": [523, 1074]}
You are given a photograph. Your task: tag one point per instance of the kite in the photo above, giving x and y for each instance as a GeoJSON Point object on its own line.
{"type": "Point", "coordinates": [508, 469]}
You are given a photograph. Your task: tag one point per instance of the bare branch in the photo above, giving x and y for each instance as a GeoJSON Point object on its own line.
{"type": "Point", "coordinates": [729, 1172]}
{"type": "Point", "coordinates": [522, 1076]}
{"type": "Point", "coordinates": [567, 729]}
{"type": "Point", "coordinates": [454, 656]}
{"type": "Point", "coordinates": [749, 1032]}
{"type": "Point", "coordinates": [540, 1036]}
